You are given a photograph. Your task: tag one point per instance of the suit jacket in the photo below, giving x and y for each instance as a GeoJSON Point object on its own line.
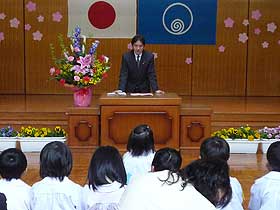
{"type": "Point", "coordinates": [138, 80]}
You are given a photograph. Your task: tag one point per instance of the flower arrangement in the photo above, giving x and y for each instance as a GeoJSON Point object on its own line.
{"type": "Point", "coordinates": [8, 132]}
{"type": "Point", "coordinates": [243, 132]}
{"type": "Point", "coordinates": [41, 132]}
{"type": "Point", "coordinates": [270, 133]}
{"type": "Point", "coordinates": [79, 69]}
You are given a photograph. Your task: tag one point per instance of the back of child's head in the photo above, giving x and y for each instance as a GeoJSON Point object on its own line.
{"type": "Point", "coordinates": [214, 147]}
{"type": "Point", "coordinates": [273, 156]}
{"type": "Point", "coordinates": [12, 163]}
{"type": "Point", "coordinates": [106, 166]}
{"type": "Point", "coordinates": [167, 159]}
{"type": "Point", "coordinates": [141, 141]}
{"type": "Point", "coordinates": [211, 178]}
{"type": "Point", "coordinates": [55, 161]}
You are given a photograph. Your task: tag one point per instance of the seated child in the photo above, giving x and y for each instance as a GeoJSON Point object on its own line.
{"type": "Point", "coordinates": [216, 147]}
{"type": "Point", "coordinates": [167, 159]}
{"type": "Point", "coordinates": [106, 180]}
{"type": "Point", "coordinates": [3, 202]}
{"type": "Point", "coordinates": [140, 151]}
{"type": "Point", "coordinates": [205, 186]}
{"type": "Point", "coordinates": [265, 192]}
{"type": "Point", "coordinates": [13, 163]}
{"type": "Point", "coordinates": [56, 190]}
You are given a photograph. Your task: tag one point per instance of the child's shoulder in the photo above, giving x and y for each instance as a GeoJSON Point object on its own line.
{"type": "Point", "coordinates": [272, 176]}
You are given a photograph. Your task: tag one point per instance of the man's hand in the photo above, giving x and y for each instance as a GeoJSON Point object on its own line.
{"type": "Point", "coordinates": [159, 92]}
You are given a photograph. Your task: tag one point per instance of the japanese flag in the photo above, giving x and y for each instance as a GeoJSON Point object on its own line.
{"type": "Point", "coordinates": [103, 19]}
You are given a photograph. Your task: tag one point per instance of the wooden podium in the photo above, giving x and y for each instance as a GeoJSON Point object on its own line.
{"type": "Point", "coordinates": [120, 114]}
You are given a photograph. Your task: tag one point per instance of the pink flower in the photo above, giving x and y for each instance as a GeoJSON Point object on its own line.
{"type": "Point", "coordinates": [245, 22]}
{"type": "Point", "coordinates": [188, 60]}
{"type": "Point", "coordinates": [2, 37]}
{"type": "Point", "coordinates": [257, 31]}
{"type": "Point", "coordinates": [265, 44]}
{"type": "Point", "coordinates": [243, 37]}
{"type": "Point", "coordinates": [14, 23]}
{"type": "Point", "coordinates": [70, 58]}
{"type": "Point", "coordinates": [27, 27]}
{"type": "Point", "coordinates": [77, 78]}
{"type": "Point", "coordinates": [256, 14]}
{"type": "Point", "coordinates": [84, 61]}
{"type": "Point", "coordinates": [37, 36]}
{"type": "Point", "coordinates": [271, 27]}
{"type": "Point", "coordinates": [56, 17]}
{"type": "Point", "coordinates": [76, 49]}
{"type": "Point", "coordinates": [228, 22]}
{"type": "Point", "coordinates": [2, 16]}
{"type": "Point", "coordinates": [221, 48]}
{"type": "Point", "coordinates": [52, 70]}
{"type": "Point", "coordinates": [129, 46]}
{"type": "Point", "coordinates": [155, 55]}
{"type": "Point", "coordinates": [278, 42]}
{"type": "Point", "coordinates": [40, 18]}
{"type": "Point", "coordinates": [30, 6]}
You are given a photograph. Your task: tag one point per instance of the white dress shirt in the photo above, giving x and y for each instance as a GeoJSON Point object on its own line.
{"type": "Point", "coordinates": [106, 196]}
{"type": "Point", "coordinates": [17, 193]}
{"type": "Point", "coordinates": [265, 192]}
{"type": "Point", "coordinates": [237, 196]}
{"type": "Point", "coordinates": [148, 192]}
{"type": "Point", "coordinates": [137, 165]}
{"type": "Point", "coordinates": [51, 194]}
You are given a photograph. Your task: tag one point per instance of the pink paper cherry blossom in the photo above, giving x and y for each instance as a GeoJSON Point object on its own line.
{"type": "Point", "coordinates": [14, 23]}
{"type": "Point", "coordinates": [243, 37]}
{"type": "Point", "coordinates": [188, 60]}
{"type": "Point", "coordinates": [37, 36]}
{"type": "Point", "coordinates": [27, 27]}
{"type": "Point", "coordinates": [228, 22]}
{"type": "Point", "coordinates": [257, 31]}
{"type": "Point", "coordinates": [245, 22]}
{"type": "Point", "coordinates": [222, 48]}
{"type": "Point", "coordinates": [271, 27]}
{"type": "Point", "coordinates": [2, 37]}
{"type": "Point", "coordinates": [40, 18]}
{"type": "Point", "coordinates": [56, 17]}
{"type": "Point", "coordinates": [2, 16]}
{"type": "Point", "coordinates": [265, 44]}
{"type": "Point", "coordinates": [30, 6]}
{"type": "Point", "coordinates": [256, 14]}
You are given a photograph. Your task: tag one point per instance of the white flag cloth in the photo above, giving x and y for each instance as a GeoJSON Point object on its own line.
{"type": "Point", "coordinates": [103, 19]}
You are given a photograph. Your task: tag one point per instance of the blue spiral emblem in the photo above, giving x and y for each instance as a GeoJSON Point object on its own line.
{"type": "Point", "coordinates": [177, 25]}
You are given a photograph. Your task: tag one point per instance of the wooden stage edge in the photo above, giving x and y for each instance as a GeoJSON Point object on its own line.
{"type": "Point", "coordinates": [48, 110]}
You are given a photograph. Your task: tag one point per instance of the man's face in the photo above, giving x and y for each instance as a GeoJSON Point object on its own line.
{"type": "Point", "coordinates": [138, 47]}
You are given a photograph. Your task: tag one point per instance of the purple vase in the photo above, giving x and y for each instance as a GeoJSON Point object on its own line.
{"type": "Point", "coordinates": [82, 97]}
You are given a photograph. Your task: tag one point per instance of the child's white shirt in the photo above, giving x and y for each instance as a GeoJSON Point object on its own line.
{"type": "Point", "coordinates": [137, 165]}
{"type": "Point", "coordinates": [17, 193]}
{"type": "Point", "coordinates": [265, 192]}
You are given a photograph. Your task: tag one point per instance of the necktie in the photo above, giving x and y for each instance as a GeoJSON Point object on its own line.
{"type": "Point", "coordinates": [138, 60]}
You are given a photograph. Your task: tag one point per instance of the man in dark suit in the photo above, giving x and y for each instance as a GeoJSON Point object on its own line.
{"type": "Point", "coordinates": [137, 74]}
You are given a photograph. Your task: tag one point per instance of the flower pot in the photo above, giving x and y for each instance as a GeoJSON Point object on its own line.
{"type": "Point", "coordinates": [7, 142]}
{"type": "Point", "coordinates": [36, 144]}
{"type": "Point", "coordinates": [265, 143]}
{"type": "Point", "coordinates": [243, 146]}
{"type": "Point", "coordinates": [82, 97]}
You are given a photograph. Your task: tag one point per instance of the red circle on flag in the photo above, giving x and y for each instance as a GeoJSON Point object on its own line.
{"type": "Point", "coordinates": [101, 14]}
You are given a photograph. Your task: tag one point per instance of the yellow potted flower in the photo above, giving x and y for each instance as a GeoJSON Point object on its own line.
{"type": "Point", "coordinates": [241, 140]}
{"type": "Point", "coordinates": [34, 139]}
